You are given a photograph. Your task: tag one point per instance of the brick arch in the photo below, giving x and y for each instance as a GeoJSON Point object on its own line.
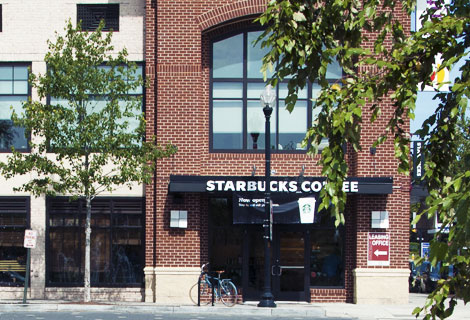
{"type": "Point", "coordinates": [229, 12]}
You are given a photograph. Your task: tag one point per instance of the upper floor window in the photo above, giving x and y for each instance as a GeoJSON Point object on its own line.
{"type": "Point", "coordinates": [237, 119]}
{"type": "Point", "coordinates": [14, 89]}
{"type": "Point", "coordinates": [91, 14]}
{"type": "Point", "coordinates": [96, 104]}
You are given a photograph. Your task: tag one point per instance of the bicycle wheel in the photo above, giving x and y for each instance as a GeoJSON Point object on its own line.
{"type": "Point", "coordinates": [228, 293]}
{"type": "Point", "coordinates": [205, 293]}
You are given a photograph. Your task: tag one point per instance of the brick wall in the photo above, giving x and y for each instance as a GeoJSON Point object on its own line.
{"type": "Point", "coordinates": [177, 55]}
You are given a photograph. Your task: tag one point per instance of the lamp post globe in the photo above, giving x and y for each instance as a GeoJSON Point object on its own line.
{"type": "Point", "coordinates": [267, 100]}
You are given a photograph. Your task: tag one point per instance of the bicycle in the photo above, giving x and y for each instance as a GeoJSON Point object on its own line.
{"type": "Point", "coordinates": [225, 290]}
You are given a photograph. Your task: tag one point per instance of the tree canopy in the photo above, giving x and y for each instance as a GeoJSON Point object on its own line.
{"type": "Point", "coordinates": [305, 36]}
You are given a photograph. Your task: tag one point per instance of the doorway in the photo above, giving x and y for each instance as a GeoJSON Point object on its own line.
{"type": "Point", "coordinates": [290, 269]}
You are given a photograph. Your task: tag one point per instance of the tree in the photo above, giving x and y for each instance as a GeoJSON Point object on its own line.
{"type": "Point", "coordinates": [92, 125]}
{"type": "Point", "coordinates": [304, 36]}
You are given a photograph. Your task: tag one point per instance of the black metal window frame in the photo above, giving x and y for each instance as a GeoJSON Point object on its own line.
{"type": "Point", "coordinates": [245, 80]}
{"type": "Point", "coordinates": [1, 18]}
{"type": "Point", "coordinates": [27, 95]}
{"type": "Point", "coordinates": [15, 207]}
{"type": "Point", "coordinates": [77, 211]}
{"type": "Point", "coordinates": [90, 16]}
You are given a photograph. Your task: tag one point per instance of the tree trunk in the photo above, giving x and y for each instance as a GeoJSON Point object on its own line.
{"type": "Point", "coordinates": [87, 289]}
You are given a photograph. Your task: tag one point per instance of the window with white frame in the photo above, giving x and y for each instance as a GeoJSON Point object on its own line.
{"type": "Point", "coordinates": [237, 119]}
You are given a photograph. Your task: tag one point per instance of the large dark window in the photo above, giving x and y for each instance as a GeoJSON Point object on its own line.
{"type": "Point", "coordinates": [14, 212]}
{"type": "Point", "coordinates": [237, 119]}
{"type": "Point", "coordinates": [91, 14]}
{"type": "Point", "coordinates": [225, 240]}
{"type": "Point", "coordinates": [116, 242]}
{"type": "Point", "coordinates": [14, 89]}
{"type": "Point", "coordinates": [326, 253]}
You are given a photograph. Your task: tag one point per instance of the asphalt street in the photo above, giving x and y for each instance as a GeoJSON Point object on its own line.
{"type": "Point", "coordinates": [52, 315]}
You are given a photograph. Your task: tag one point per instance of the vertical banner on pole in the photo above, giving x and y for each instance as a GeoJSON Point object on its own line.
{"type": "Point", "coordinates": [418, 160]}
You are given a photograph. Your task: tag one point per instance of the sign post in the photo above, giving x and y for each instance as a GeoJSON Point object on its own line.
{"type": "Point", "coordinates": [378, 249]}
{"type": "Point", "coordinates": [30, 237]}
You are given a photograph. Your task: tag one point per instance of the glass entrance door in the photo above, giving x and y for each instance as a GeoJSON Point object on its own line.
{"type": "Point", "coordinates": [290, 266]}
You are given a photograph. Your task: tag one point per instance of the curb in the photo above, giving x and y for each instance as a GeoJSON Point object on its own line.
{"type": "Point", "coordinates": [310, 311]}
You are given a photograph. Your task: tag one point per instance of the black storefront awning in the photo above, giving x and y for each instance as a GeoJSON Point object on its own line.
{"type": "Point", "coordinates": [287, 193]}
{"type": "Point", "coordinates": [306, 185]}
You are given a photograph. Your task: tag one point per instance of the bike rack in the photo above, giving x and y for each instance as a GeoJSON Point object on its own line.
{"type": "Point", "coordinates": [199, 291]}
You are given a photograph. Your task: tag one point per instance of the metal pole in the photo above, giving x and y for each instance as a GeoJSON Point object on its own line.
{"type": "Point", "coordinates": [267, 298]}
{"type": "Point", "coordinates": [26, 278]}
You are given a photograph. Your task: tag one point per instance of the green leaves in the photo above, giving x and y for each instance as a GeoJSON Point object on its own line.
{"type": "Point", "coordinates": [382, 61]}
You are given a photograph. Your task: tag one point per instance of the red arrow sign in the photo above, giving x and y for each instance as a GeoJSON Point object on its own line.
{"type": "Point", "coordinates": [378, 249]}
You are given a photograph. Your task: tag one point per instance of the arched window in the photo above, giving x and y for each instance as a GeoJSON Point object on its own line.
{"type": "Point", "coordinates": [237, 119]}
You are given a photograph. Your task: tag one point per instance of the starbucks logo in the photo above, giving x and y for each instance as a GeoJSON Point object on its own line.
{"type": "Point", "coordinates": [306, 208]}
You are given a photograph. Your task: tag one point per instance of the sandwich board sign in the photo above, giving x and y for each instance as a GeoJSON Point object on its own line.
{"type": "Point", "coordinates": [378, 249]}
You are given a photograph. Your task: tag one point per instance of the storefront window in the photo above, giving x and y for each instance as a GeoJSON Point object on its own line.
{"type": "Point", "coordinates": [225, 240]}
{"type": "Point", "coordinates": [116, 241]}
{"type": "Point", "coordinates": [13, 223]}
{"type": "Point", "coordinates": [327, 257]}
{"type": "Point", "coordinates": [237, 119]}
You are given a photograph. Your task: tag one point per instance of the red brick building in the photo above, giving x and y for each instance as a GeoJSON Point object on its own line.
{"type": "Point", "coordinates": [204, 97]}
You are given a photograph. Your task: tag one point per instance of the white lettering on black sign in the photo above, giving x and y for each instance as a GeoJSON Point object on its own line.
{"type": "Point", "coordinates": [275, 186]}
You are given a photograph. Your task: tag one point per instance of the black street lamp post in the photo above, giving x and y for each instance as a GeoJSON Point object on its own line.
{"type": "Point", "coordinates": [267, 99]}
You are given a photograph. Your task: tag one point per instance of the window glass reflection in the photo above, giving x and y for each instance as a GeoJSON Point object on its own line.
{"type": "Point", "coordinates": [254, 90]}
{"type": "Point", "coordinates": [14, 90]}
{"type": "Point", "coordinates": [292, 126]}
{"type": "Point", "coordinates": [227, 90]}
{"type": "Point", "coordinates": [327, 258]}
{"type": "Point", "coordinates": [240, 81]}
{"type": "Point", "coordinates": [116, 244]}
{"type": "Point", "coordinates": [334, 70]}
{"type": "Point", "coordinates": [227, 124]}
{"type": "Point", "coordinates": [225, 240]}
{"type": "Point", "coordinates": [255, 56]}
{"type": "Point", "coordinates": [256, 125]}
{"type": "Point", "coordinates": [228, 58]}
{"type": "Point", "coordinates": [13, 223]}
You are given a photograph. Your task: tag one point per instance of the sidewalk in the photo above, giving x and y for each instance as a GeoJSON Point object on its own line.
{"type": "Point", "coordinates": [314, 310]}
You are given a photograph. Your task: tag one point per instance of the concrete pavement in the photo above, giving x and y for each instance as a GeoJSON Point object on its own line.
{"type": "Point", "coordinates": [314, 310]}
